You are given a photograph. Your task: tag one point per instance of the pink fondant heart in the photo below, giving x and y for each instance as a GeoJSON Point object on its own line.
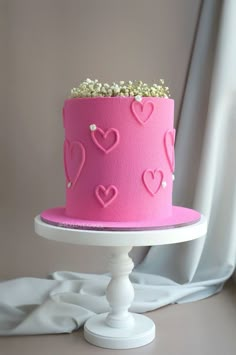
{"type": "Point", "coordinates": [106, 141]}
{"type": "Point", "coordinates": [169, 142]}
{"type": "Point", "coordinates": [142, 110]}
{"type": "Point", "coordinates": [74, 159]}
{"type": "Point", "coordinates": [152, 180]}
{"type": "Point", "coordinates": [106, 196]}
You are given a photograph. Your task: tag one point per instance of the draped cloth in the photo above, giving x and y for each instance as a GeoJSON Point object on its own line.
{"type": "Point", "coordinates": [205, 180]}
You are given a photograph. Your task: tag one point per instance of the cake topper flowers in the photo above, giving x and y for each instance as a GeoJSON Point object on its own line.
{"type": "Point", "coordinates": [137, 89]}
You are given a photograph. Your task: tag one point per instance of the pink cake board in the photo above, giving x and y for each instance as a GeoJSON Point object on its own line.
{"type": "Point", "coordinates": [181, 216]}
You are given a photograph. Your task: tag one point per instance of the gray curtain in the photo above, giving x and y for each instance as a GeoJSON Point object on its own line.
{"type": "Point", "coordinates": [205, 175]}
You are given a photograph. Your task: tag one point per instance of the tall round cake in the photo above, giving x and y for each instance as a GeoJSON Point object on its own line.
{"type": "Point", "coordinates": [119, 158]}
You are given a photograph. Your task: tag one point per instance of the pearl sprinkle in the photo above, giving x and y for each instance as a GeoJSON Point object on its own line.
{"type": "Point", "coordinates": [93, 127]}
{"type": "Point", "coordinates": [164, 184]}
{"type": "Point", "coordinates": [138, 98]}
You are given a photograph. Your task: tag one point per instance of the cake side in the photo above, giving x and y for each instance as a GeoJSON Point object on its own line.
{"type": "Point", "coordinates": [119, 158]}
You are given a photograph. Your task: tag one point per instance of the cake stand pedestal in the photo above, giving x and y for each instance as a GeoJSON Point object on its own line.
{"type": "Point", "coordinates": [120, 329]}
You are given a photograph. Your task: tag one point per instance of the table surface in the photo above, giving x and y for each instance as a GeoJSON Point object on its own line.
{"type": "Point", "coordinates": [204, 327]}
{"type": "Point", "coordinates": [122, 238]}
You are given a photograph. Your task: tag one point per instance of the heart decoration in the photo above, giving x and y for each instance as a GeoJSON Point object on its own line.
{"type": "Point", "coordinates": [106, 196]}
{"type": "Point", "coordinates": [152, 180]}
{"type": "Point", "coordinates": [142, 110]}
{"type": "Point", "coordinates": [107, 140]}
{"type": "Point", "coordinates": [169, 141]}
{"type": "Point", "coordinates": [74, 159]}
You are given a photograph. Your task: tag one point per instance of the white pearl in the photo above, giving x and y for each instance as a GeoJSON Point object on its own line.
{"type": "Point", "coordinates": [138, 98]}
{"type": "Point", "coordinates": [164, 184]}
{"type": "Point", "coordinates": [93, 127]}
{"type": "Point", "coordinates": [69, 184]}
{"type": "Point", "coordinates": [173, 177]}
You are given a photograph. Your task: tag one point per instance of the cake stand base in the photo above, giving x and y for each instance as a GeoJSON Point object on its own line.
{"type": "Point", "coordinates": [98, 333]}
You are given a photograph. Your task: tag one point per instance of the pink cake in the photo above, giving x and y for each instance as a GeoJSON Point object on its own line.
{"type": "Point", "coordinates": [119, 159]}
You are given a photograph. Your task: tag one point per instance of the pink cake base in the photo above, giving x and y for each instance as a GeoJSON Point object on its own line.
{"type": "Point", "coordinates": [181, 216]}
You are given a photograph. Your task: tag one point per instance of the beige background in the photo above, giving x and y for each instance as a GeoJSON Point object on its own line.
{"type": "Point", "coordinates": [47, 47]}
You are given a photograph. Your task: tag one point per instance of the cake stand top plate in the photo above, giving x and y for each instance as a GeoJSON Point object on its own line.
{"type": "Point", "coordinates": [116, 238]}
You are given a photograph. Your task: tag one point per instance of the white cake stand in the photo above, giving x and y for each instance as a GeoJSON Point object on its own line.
{"type": "Point", "coordinates": [120, 329]}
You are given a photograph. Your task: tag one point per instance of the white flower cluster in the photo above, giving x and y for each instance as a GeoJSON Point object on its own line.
{"type": "Point", "coordinates": [93, 88]}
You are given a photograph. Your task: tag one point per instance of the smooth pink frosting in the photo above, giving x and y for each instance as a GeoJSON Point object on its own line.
{"type": "Point", "coordinates": [122, 171]}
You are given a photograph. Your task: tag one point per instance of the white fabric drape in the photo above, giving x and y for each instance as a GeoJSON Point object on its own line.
{"type": "Point", "coordinates": [205, 180]}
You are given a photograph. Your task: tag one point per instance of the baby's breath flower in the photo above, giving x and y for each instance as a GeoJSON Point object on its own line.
{"type": "Point", "coordinates": [137, 88]}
